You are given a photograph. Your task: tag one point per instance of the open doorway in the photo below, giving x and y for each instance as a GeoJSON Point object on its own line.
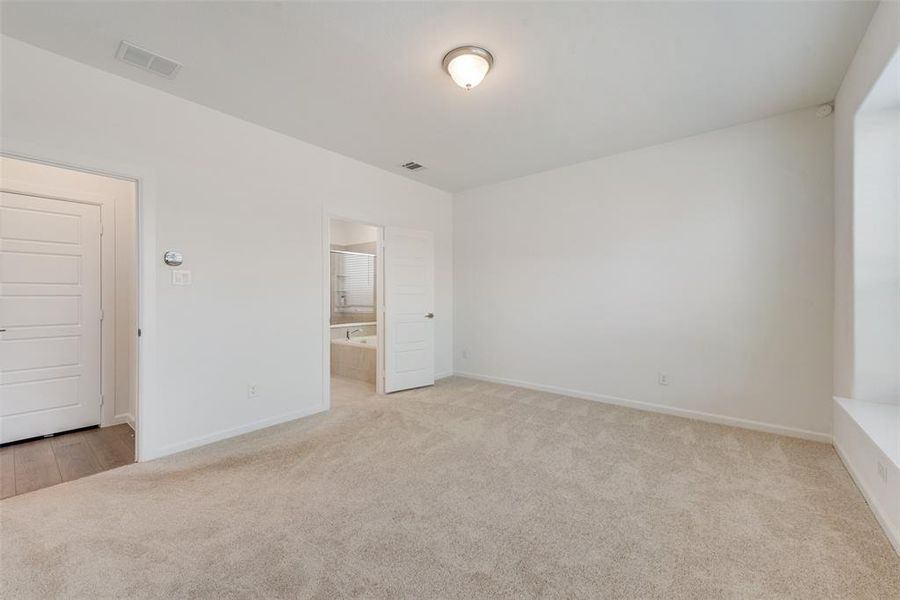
{"type": "Point", "coordinates": [354, 315]}
{"type": "Point", "coordinates": [68, 324]}
{"type": "Point", "coordinates": [390, 269]}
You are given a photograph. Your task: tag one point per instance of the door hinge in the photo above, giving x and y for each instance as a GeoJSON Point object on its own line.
{"type": "Point", "coordinates": [139, 332]}
{"type": "Point", "coordinates": [101, 314]}
{"type": "Point", "coordinates": [101, 229]}
{"type": "Point", "coordinates": [101, 399]}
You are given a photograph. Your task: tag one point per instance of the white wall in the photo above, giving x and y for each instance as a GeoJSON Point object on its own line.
{"type": "Point", "coordinates": [708, 259]}
{"type": "Point", "coordinates": [876, 239]}
{"type": "Point", "coordinates": [119, 272]}
{"type": "Point", "coordinates": [876, 254]}
{"type": "Point", "coordinates": [246, 207]}
{"type": "Point", "coordinates": [867, 296]}
{"type": "Point", "coordinates": [875, 51]}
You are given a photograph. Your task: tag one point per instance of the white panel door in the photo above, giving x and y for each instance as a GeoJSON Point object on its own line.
{"type": "Point", "coordinates": [50, 316]}
{"type": "Point", "coordinates": [408, 309]}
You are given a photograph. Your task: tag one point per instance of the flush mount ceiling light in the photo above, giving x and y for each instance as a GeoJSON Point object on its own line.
{"type": "Point", "coordinates": [467, 65]}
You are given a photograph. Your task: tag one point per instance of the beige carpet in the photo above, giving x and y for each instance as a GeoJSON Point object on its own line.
{"type": "Point", "coordinates": [464, 490]}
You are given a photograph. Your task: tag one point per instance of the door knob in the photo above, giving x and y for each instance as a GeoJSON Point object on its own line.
{"type": "Point", "coordinates": [429, 315]}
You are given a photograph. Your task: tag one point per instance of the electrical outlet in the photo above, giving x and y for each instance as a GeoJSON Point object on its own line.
{"type": "Point", "coordinates": [662, 379]}
{"type": "Point", "coordinates": [252, 391]}
{"type": "Point", "coordinates": [882, 471]}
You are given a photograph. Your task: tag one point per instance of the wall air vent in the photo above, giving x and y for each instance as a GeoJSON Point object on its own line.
{"type": "Point", "coordinates": [412, 166]}
{"type": "Point", "coordinates": [139, 57]}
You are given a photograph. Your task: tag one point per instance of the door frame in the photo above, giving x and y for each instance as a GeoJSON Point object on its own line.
{"type": "Point", "coordinates": [145, 182]}
{"type": "Point", "coordinates": [327, 218]}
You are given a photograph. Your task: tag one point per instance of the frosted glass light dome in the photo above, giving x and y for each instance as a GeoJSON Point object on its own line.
{"type": "Point", "coordinates": [467, 65]}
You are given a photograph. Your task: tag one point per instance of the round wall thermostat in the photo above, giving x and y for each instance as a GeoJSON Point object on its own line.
{"type": "Point", "coordinates": [172, 258]}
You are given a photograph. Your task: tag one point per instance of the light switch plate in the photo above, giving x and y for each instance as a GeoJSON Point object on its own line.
{"type": "Point", "coordinates": [181, 277]}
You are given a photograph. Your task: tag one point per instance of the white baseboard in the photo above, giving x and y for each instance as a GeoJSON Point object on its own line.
{"type": "Point", "coordinates": [659, 408]}
{"type": "Point", "coordinates": [893, 535]}
{"type": "Point", "coordinates": [443, 375]}
{"type": "Point", "coordinates": [119, 419]}
{"type": "Point", "coordinates": [153, 453]}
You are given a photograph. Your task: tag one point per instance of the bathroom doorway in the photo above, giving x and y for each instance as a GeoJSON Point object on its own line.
{"type": "Point", "coordinates": [354, 308]}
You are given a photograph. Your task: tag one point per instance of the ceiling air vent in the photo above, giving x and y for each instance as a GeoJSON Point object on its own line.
{"type": "Point", "coordinates": [137, 56]}
{"type": "Point", "coordinates": [412, 166]}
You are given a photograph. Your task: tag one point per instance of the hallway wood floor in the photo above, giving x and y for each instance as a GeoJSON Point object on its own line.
{"type": "Point", "coordinates": [36, 464]}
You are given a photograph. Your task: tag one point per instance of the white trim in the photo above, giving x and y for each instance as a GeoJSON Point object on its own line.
{"type": "Point", "coordinates": [232, 432]}
{"type": "Point", "coordinates": [659, 408]}
{"type": "Point", "coordinates": [127, 418]}
{"type": "Point", "coordinates": [28, 188]}
{"type": "Point", "coordinates": [379, 309]}
{"type": "Point", "coordinates": [878, 421]}
{"type": "Point", "coordinates": [891, 530]}
{"type": "Point", "coordinates": [108, 308]}
{"type": "Point", "coordinates": [339, 325]}
{"type": "Point", "coordinates": [326, 309]}
{"type": "Point", "coordinates": [892, 534]}
{"type": "Point", "coordinates": [443, 375]}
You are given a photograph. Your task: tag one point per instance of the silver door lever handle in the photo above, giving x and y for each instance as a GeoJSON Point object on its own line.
{"type": "Point", "coordinates": [429, 315]}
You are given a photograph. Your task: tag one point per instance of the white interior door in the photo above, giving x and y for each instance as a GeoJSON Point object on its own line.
{"type": "Point", "coordinates": [50, 316]}
{"type": "Point", "coordinates": [408, 309]}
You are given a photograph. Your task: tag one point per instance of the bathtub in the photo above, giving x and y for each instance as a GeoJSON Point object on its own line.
{"type": "Point", "coordinates": [361, 341]}
{"type": "Point", "coordinates": [354, 358]}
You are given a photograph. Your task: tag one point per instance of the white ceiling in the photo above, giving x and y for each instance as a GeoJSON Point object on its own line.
{"type": "Point", "coordinates": [571, 81]}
